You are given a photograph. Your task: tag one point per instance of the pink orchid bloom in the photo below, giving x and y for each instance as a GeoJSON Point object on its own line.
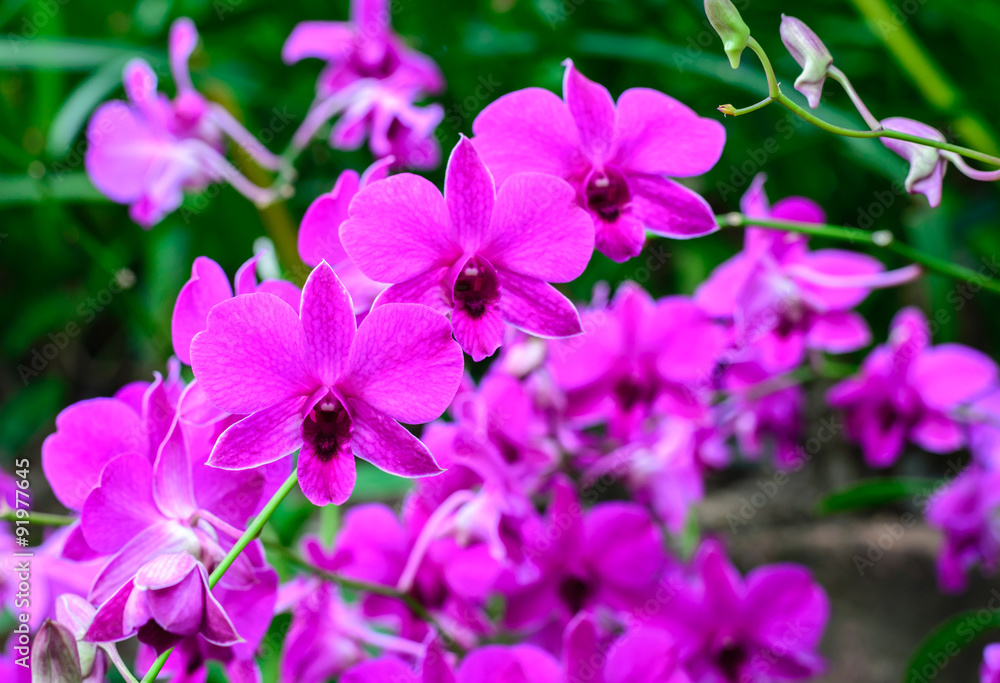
{"type": "Point", "coordinates": [396, 129]}
{"type": "Point", "coordinates": [433, 667]}
{"type": "Point", "coordinates": [329, 635]}
{"type": "Point", "coordinates": [141, 509]}
{"type": "Point", "coordinates": [53, 577]}
{"type": "Point", "coordinates": [249, 601]}
{"type": "Point", "coordinates": [637, 358]}
{"type": "Point", "coordinates": [510, 664]}
{"type": "Point", "coordinates": [909, 390]}
{"type": "Point", "coordinates": [616, 157]}
{"type": "Point", "coordinates": [783, 298]}
{"type": "Point", "coordinates": [967, 511]}
{"type": "Point", "coordinates": [754, 411]}
{"type": "Point", "coordinates": [167, 600]}
{"type": "Point", "coordinates": [642, 654]}
{"type": "Point", "coordinates": [374, 79]}
{"type": "Point", "coordinates": [364, 47]}
{"type": "Point", "coordinates": [208, 286]}
{"type": "Point", "coordinates": [319, 234]}
{"type": "Point", "coordinates": [146, 152]}
{"type": "Point", "coordinates": [611, 555]}
{"type": "Point", "coordinates": [990, 670]}
{"type": "Point", "coordinates": [485, 256]}
{"type": "Point", "coordinates": [315, 380]}
{"type": "Point", "coordinates": [91, 433]}
{"type": "Point", "coordinates": [375, 545]}
{"type": "Point", "coordinates": [661, 469]}
{"type": "Point", "coordinates": [763, 627]}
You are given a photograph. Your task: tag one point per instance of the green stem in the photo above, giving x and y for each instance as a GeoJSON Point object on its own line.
{"type": "Point", "coordinates": [839, 76]}
{"type": "Point", "coordinates": [773, 90]}
{"type": "Point", "coordinates": [249, 535]}
{"type": "Point", "coordinates": [880, 238]}
{"type": "Point", "coordinates": [806, 115]}
{"type": "Point", "coordinates": [929, 78]}
{"type": "Point", "coordinates": [775, 95]}
{"type": "Point", "coordinates": [40, 518]}
{"type": "Point", "coordinates": [730, 110]}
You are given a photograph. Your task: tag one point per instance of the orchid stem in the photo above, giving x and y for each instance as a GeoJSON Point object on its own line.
{"type": "Point", "coordinates": [839, 76]}
{"type": "Point", "coordinates": [249, 535]}
{"type": "Point", "coordinates": [879, 238]}
{"type": "Point", "coordinates": [877, 131]}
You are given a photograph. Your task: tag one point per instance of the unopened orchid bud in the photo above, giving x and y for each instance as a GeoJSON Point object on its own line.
{"type": "Point", "coordinates": [54, 658]}
{"type": "Point", "coordinates": [728, 23]}
{"type": "Point", "coordinates": [810, 53]}
{"type": "Point", "coordinates": [927, 166]}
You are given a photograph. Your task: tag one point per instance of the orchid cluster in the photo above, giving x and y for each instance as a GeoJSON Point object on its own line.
{"type": "Point", "coordinates": [550, 532]}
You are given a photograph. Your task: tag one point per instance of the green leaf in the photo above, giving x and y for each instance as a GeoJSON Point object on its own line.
{"type": "Point", "coordinates": [75, 111]}
{"type": "Point", "coordinates": [870, 493]}
{"type": "Point", "coordinates": [374, 484]}
{"type": "Point", "coordinates": [60, 54]}
{"type": "Point", "coordinates": [947, 640]}
{"type": "Point", "coordinates": [66, 187]}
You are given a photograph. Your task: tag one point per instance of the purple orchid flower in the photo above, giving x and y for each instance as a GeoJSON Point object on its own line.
{"type": "Point", "coordinates": [765, 627]}
{"type": "Point", "coordinates": [908, 390]}
{"type": "Point", "coordinates": [53, 578]}
{"type": "Point", "coordinates": [966, 511]}
{"type": "Point", "coordinates": [638, 358]}
{"type": "Point", "coordinates": [208, 286]}
{"type": "Point", "coordinates": [642, 654]}
{"type": "Point", "coordinates": [167, 600]}
{"type": "Point", "coordinates": [146, 152]}
{"type": "Point", "coordinates": [511, 664]}
{"type": "Point", "coordinates": [433, 667]}
{"type": "Point", "coordinates": [141, 510]}
{"type": "Point", "coordinates": [364, 47]}
{"type": "Point", "coordinates": [374, 79]}
{"type": "Point", "coordinates": [248, 595]}
{"type": "Point", "coordinates": [990, 670]}
{"type": "Point", "coordinates": [328, 636]}
{"type": "Point", "coordinates": [375, 546]}
{"type": "Point", "coordinates": [610, 556]}
{"type": "Point", "coordinates": [661, 469]}
{"type": "Point", "coordinates": [484, 255]}
{"type": "Point", "coordinates": [319, 234]}
{"type": "Point", "coordinates": [760, 407]}
{"type": "Point", "coordinates": [318, 382]}
{"type": "Point", "coordinates": [615, 157]}
{"type": "Point", "coordinates": [783, 298]}
{"type": "Point", "coordinates": [91, 433]}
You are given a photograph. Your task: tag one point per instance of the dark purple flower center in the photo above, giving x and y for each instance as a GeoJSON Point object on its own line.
{"type": "Point", "coordinates": [731, 660]}
{"type": "Point", "coordinates": [328, 428]}
{"type": "Point", "coordinates": [574, 592]}
{"type": "Point", "coordinates": [631, 390]}
{"type": "Point", "coordinates": [367, 61]}
{"type": "Point", "coordinates": [607, 193]}
{"type": "Point", "coordinates": [477, 287]}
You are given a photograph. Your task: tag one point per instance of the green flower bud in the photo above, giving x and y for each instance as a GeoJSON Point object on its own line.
{"type": "Point", "coordinates": [728, 23]}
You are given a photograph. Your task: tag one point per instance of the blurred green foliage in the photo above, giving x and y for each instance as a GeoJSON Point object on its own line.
{"type": "Point", "coordinates": [63, 246]}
